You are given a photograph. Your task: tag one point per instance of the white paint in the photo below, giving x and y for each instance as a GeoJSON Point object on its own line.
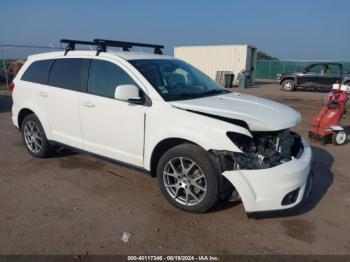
{"type": "Point", "coordinates": [264, 189]}
{"type": "Point", "coordinates": [129, 132]}
{"type": "Point", "coordinates": [260, 114]}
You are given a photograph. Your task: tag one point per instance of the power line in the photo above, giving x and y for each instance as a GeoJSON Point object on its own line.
{"type": "Point", "coordinates": [32, 46]}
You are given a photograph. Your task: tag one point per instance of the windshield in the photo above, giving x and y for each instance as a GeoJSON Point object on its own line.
{"type": "Point", "coordinates": [175, 79]}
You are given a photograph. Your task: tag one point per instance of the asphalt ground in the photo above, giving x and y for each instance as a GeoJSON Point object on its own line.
{"type": "Point", "coordinates": [78, 204]}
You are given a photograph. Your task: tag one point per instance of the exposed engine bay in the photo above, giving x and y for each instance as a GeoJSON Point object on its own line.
{"type": "Point", "coordinates": [264, 150]}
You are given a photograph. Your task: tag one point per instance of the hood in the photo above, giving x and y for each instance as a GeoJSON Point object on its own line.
{"type": "Point", "coordinates": [260, 114]}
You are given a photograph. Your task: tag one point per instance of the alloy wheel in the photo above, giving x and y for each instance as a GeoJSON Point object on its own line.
{"type": "Point", "coordinates": [184, 181]}
{"type": "Point", "coordinates": [32, 136]}
{"type": "Point", "coordinates": [287, 86]}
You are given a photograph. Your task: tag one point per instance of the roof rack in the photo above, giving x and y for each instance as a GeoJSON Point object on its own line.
{"type": "Point", "coordinates": [101, 45]}
{"type": "Point", "coordinates": [71, 44]}
{"type": "Point", "coordinates": [127, 45]}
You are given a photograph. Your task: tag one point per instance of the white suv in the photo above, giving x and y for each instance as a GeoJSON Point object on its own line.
{"type": "Point", "coordinates": [164, 116]}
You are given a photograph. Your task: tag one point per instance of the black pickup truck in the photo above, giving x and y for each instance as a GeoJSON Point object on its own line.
{"type": "Point", "coordinates": [320, 75]}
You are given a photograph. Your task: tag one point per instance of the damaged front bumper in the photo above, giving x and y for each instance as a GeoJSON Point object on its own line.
{"type": "Point", "coordinates": [276, 188]}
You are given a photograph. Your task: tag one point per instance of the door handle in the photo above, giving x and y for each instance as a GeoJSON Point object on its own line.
{"type": "Point", "coordinates": [88, 104]}
{"type": "Point", "coordinates": [43, 94]}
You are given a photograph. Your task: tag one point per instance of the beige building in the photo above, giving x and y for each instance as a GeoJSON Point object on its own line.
{"type": "Point", "coordinates": [211, 59]}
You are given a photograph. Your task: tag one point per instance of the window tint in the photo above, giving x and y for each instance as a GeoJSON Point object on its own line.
{"type": "Point", "coordinates": [332, 69]}
{"type": "Point", "coordinates": [38, 72]}
{"type": "Point", "coordinates": [104, 77]}
{"type": "Point", "coordinates": [316, 69]}
{"type": "Point", "coordinates": [69, 73]}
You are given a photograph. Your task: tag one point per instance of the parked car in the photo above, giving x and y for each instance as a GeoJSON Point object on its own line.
{"type": "Point", "coordinates": [320, 75]}
{"type": "Point", "coordinates": [165, 117]}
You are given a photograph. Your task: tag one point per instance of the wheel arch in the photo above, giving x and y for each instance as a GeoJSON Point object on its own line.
{"type": "Point", "coordinates": [22, 114]}
{"type": "Point", "coordinates": [289, 77]}
{"type": "Point", "coordinates": [162, 147]}
{"type": "Point", "coordinates": [27, 110]}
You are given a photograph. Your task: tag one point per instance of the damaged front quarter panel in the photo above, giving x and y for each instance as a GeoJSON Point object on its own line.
{"type": "Point", "coordinates": [263, 150]}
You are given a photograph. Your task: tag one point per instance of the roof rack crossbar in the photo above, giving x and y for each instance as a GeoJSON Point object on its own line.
{"type": "Point", "coordinates": [127, 45]}
{"type": "Point", "coordinates": [101, 45]}
{"type": "Point", "coordinates": [71, 45]}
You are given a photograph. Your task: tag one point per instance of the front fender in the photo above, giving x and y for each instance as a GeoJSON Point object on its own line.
{"type": "Point", "coordinates": [208, 133]}
{"type": "Point", "coordinates": [288, 77]}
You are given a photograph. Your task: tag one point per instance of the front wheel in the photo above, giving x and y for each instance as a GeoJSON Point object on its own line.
{"type": "Point", "coordinates": [288, 85]}
{"type": "Point", "coordinates": [188, 179]}
{"type": "Point", "coordinates": [339, 138]}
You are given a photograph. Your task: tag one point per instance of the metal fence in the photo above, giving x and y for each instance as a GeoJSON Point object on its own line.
{"type": "Point", "coordinates": [12, 54]}
{"type": "Point", "coordinates": [267, 69]}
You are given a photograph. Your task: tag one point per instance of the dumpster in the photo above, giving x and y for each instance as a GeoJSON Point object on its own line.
{"type": "Point", "coordinates": [229, 80]}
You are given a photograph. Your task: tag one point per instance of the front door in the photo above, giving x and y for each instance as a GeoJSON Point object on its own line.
{"type": "Point", "coordinates": [111, 128]}
{"type": "Point", "coordinates": [311, 77]}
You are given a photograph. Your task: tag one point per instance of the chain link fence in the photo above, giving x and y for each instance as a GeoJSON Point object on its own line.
{"type": "Point", "coordinates": [268, 69]}
{"type": "Point", "coordinates": [12, 58]}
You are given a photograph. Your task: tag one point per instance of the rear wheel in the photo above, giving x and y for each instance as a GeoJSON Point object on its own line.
{"type": "Point", "coordinates": [188, 179]}
{"type": "Point", "coordinates": [288, 85]}
{"type": "Point", "coordinates": [34, 137]}
{"type": "Point", "coordinates": [339, 138]}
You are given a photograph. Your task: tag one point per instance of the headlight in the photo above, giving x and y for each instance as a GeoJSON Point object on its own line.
{"type": "Point", "coordinates": [264, 149]}
{"type": "Point", "coordinates": [243, 142]}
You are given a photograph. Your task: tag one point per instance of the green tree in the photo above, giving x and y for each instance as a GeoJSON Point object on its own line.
{"type": "Point", "coordinates": [263, 56]}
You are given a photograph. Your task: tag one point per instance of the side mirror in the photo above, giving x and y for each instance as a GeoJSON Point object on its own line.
{"type": "Point", "coordinates": [128, 93]}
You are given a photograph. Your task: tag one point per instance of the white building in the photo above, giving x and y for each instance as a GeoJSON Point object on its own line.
{"type": "Point", "coordinates": [211, 59]}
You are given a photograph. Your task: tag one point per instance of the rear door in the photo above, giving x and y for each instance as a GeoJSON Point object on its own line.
{"type": "Point", "coordinates": [34, 88]}
{"type": "Point", "coordinates": [332, 72]}
{"type": "Point", "coordinates": [110, 127]}
{"type": "Point", "coordinates": [67, 79]}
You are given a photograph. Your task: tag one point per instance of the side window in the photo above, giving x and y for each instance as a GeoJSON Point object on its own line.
{"type": "Point", "coordinates": [69, 73]}
{"type": "Point", "coordinates": [316, 69]}
{"type": "Point", "coordinates": [332, 69]}
{"type": "Point", "coordinates": [38, 72]}
{"type": "Point", "coordinates": [105, 76]}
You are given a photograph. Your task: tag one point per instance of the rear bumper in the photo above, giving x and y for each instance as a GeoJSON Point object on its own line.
{"type": "Point", "coordinates": [264, 189]}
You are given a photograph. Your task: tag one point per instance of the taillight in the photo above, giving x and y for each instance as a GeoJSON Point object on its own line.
{"type": "Point", "coordinates": [12, 87]}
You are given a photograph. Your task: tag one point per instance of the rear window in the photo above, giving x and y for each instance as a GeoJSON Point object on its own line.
{"type": "Point", "coordinates": [38, 72]}
{"type": "Point", "coordinates": [69, 73]}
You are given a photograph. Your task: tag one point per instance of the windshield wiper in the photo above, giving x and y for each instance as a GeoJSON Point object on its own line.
{"type": "Point", "coordinates": [215, 91]}
{"type": "Point", "coordinates": [178, 96]}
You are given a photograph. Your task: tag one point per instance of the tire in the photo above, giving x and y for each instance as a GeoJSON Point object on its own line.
{"type": "Point", "coordinates": [339, 138]}
{"type": "Point", "coordinates": [195, 189]}
{"type": "Point", "coordinates": [34, 137]}
{"type": "Point", "coordinates": [288, 85]}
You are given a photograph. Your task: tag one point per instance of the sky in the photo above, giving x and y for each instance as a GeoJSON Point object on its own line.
{"type": "Point", "coordinates": [302, 30]}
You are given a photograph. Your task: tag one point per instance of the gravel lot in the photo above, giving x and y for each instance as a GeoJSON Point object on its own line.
{"type": "Point", "coordinates": [77, 204]}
